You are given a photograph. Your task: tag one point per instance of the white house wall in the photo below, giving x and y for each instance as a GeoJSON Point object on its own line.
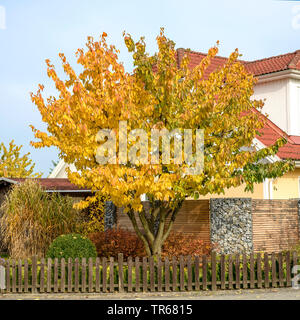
{"type": "Point", "coordinates": [294, 96]}
{"type": "Point", "coordinates": [275, 93]}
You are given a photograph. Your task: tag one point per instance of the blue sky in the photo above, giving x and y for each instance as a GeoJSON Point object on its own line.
{"type": "Point", "coordinates": [36, 30]}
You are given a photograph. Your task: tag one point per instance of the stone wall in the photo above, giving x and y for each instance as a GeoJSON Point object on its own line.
{"type": "Point", "coordinates": [231, 224]}
{"type": "Point", "coordinates": [109, 215]}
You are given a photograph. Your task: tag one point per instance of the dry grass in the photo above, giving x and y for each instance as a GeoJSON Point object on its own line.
{"type": "Point", "coordinates": [31, 219]}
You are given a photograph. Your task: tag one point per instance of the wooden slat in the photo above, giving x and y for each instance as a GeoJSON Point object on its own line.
{"type": "Point", "coordinates": [145, 280]}
{"type": "Point", "coordinates": [245, 272]}
{"type": "Point", "coordinates": [151, 270]}
{"type": "Point", "coordinates": [259, 275]}
{"type": "Point", "coordinates": [266, 270]}
{"type": "Point", "coordinates": [55, 275]}
{"type": "Point", "coordinates": [70, 272]}
{"type": "Point", "coordinates": [13, 278]}
{"type": "Point", "coordinates": [274, 278]}
{"type": "Point", "coordinates": [49, 274]}
{"type": "Point", "coordinates": [181, 274]}
{"type": "Point", "coordinates": [129, 262]}
{"type": "Point", "coordinates": [137, 274]}
{"type": "Point", "coordinates": [76, 275]}
{"type": "Point", "coordinates": [7, 275]}
{"type": "Point", "coordinates": [111, 275]}
{"type": "Point", "coordinates": [34, 274]}
{"type": "Point", "coordinates": [25, 276]}
{"type": "Point", "coordinates": [223, 271]}
{"type": "Point", "coordinates": [159, 274]}
{"type": "Point", "coordinates": [204, 272]}
{"type": "Point", "coordinates": [83, 274]}
{"type": "Point", "coordinates": [62, 275]}
{"type": "Point", "coordinates": [189, 273]}
{"type": "Point", "coordinates": [120, 272]}
{"type": "Point", "coordinates": [252, 274]}
{"type": "Point", "coordinates": [42, 276]}
{"type": "Point", "coordinates": [167, 274]}
{"type": "Point", "coordinates": [288, 268]}
{"type": "Point", "coordinates": [20, 278]}
{"type": "Point", "coordinates": [91, 270]}
{"type": "Point", "coordinates": [104, 274]}
{"type": "Point", "coordinates": [213, 272]}
{"type": "Point", "coordinates": [197, 273]}
{"type": "Point", "coordinates": [174, 274]}
{"type": "Point", "coordinates": [230, 272]}
{"type": "Point", "coordinates": [97, 270]}
{"type": "Point", "coordinates": [280, 266]}
{"type": "Point", "coordinates": [237, 272]}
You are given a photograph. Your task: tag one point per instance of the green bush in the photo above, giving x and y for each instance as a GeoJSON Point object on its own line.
{"type": "Point", "coordinates": [71, 246]}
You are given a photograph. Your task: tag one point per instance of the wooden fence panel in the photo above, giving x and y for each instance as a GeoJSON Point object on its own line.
{"type": "Point", "coordinates": [237, 272]}
{"type": "Point", "coordinates": [230, 272]}
{"type": "Point", "coordinates": [213, 271]}
{"type": "Point", "coordinates": [129, 262]}
{"type": "Point", "coordinates": [70, 273]}
{"type": "Point", "coordinates": [20, 280]}
{"type": "Point", "coordinates": [159, 275]}
{"type": "Point", "coordinates": [137, 274]}
{"type": "Point", "coordinates": [259, 275]}
{"type": "Point", "coordinates": [63, 275]}
{"type": "Point", "coordinates": [181, 268]}
{"type": "Point", "coordinates": [49, 274]}
{"type": "Point", "coordinates": [204, 272]}
{"type": "Point", "coordinates": [187, 273]}
{"type": "Point", "coordinates": [91, 270]}
{"type": "Point", "coordinates": [174, 274]}
{"type": "Point", "coordinates": [83, 274]}
{"type": "Point", "coordinates": [97, 280]}
{"type": "Point", "coordinates": [266, 270]}
{"type": "Point", "coordinates": [111, 275]}
{"type": "Point", "coordinates": [120, 272]}
{"type": "Point", "coordinates": [76, 276]}
{"type": "Point", "coordinates": [104, 274]}
{"type": "Point", "coordinates": [167, 275]}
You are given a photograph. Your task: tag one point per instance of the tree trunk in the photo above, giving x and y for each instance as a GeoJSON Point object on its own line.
{"type": "Point", "coordinates": [157, 223]}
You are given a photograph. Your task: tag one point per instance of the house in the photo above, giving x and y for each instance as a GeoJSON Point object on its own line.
{"type": "Point", "coordinates": [62, 186]}
{"type": "Point", "coordinates": [279, 85]}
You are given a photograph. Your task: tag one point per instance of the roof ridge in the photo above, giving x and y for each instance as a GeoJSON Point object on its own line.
{"type": "Point", "coordinates": [296, 52]}
{"type": "Point", "coordinates": [205, 54]}
{"type": "Point", "coordinates": [273, 57]}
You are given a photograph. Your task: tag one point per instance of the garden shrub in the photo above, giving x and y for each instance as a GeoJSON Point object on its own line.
{"type": "Point", "coordinates": [71, 246]}
{"type": "Point", "coordinates": [31, 219]}
{"type": "Point", "coordinates": [180, 244]}
{"type": "Point", "coordinates": [114, 241]}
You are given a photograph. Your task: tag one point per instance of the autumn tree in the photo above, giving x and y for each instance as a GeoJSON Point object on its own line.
{"type": "Point", "coordinates": [15, 165]}
{"type": "Point", "coordinates": [157, 94]}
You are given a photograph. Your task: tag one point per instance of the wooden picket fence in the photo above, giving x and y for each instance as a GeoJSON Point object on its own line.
{"type": "Point", "coordinates": [147, 275]}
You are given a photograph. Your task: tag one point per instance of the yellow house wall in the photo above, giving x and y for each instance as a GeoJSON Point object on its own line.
{"type": "Point", "coordinates": [287, 187]}
{"type": "Point", "coordinates": [239, 192]}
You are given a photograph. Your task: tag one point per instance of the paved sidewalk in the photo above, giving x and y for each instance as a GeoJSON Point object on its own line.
{"type": "Point", "coordinates": [257, 294]}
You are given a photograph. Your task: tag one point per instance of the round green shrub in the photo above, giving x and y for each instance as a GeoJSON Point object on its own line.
{"type": "Point", "coordinates": [71, 246]}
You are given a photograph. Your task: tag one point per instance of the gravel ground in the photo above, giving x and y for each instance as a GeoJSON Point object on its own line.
{"type": "Point", "coordinates": [258, 294]}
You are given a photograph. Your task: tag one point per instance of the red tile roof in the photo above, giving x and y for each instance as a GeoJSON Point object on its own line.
{"type": "Point", "coordinates": [53, 184]}
{"type": "Point", "coordinates": [271, 133]}
{"type": "Point", "coordinates": [257, 67]}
